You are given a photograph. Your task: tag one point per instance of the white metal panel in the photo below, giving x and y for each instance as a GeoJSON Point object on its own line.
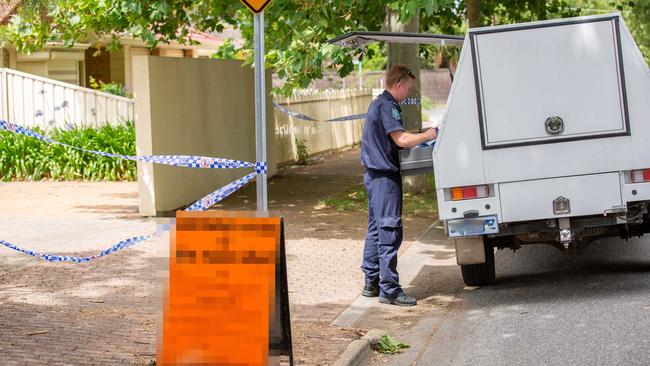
{"type": "Point", "coordinates": [529, 75]}
{"type": "Point", "coordinates": [533, 200]}
{"type": "Point", "coordinates": [558, 160]}
{"type": "Point", "coordinates": [634, 192]}
{"type": "Point", "coordinates": [638, 87]}
{"type": "Point", "coordinates": [457, 156]}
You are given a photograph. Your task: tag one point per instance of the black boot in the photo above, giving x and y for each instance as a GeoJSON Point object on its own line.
{"type": "Point", "coordinates": [371, 289]}
{"type": "Point", "coordinates": [401, 300]}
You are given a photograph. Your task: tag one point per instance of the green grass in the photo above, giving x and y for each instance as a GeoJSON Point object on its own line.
{"type": "Point", "coordinates": [24, 158]}
{"type": "Point", "coordinates": [355, 199]}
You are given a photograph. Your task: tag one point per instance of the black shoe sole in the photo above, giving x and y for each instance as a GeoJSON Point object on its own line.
{"type": "Point", "coordinates": [369, 293]}
{"type": "Point", "coordinates": [384, 300]}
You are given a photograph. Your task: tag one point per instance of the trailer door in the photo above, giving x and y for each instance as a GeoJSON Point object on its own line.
{"type": "Point", "coordinates": [579, 61]}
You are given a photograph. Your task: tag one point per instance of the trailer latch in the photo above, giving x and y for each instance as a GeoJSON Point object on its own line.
{"type": "Point", "coordinates": [561, 206]}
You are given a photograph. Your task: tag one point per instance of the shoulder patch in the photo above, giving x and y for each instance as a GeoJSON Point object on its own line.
{"type": "Point", "coordinates": [396, 114]}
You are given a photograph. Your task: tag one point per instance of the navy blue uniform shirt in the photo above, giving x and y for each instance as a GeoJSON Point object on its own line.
{"type": "Point", "coordinates": [378, 150]}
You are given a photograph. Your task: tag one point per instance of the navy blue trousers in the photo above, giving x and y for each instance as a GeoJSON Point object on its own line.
{"type": "Point", "coordinates": [384, 231]}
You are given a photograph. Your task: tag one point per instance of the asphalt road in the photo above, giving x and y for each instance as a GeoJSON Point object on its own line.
{"type": "Point", "coordinates": [547, 308]}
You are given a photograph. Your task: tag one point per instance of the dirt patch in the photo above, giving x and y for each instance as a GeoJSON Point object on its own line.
{"type": "Point", "coordinates": [318, 343]}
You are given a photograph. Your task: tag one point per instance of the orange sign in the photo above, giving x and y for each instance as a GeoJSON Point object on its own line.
{"type": "Point", "coordinates": [256, 6]}
{"type": "Point", "coordinates": [221, 305]}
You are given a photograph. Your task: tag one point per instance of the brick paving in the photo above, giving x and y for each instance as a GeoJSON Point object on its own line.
{"type": "Point", "coordinates": [99, 313]}
{"type": "Point", "coordinates": [105, 312]}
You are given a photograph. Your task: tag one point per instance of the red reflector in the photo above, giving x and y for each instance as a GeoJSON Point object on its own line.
{"type": "Point", "coordinates": [469, 192]}
{"type": "Point", "coordinates": [639, 176]}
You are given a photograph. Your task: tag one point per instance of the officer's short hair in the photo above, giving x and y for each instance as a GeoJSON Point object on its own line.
{"type": "Point", "coordinates": [396, 73]}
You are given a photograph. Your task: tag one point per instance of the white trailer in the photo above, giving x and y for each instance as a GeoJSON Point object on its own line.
{"type": "Point", "coordinates": [546, 139]}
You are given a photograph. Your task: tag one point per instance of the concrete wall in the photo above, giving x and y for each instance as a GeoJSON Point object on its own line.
{"type": "Point", "coordinates": [188, 106]}
{"type": "Point", "coordinates": [319, 136]}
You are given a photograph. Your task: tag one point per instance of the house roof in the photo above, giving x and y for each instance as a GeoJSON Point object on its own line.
{"type": "Point", "coordinates": [7, 9]}
{"type": "Point", "coordinates": [217, 38]}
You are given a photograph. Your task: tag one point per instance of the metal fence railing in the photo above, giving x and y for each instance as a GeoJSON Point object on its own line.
{"type": "Point", "coordinates": [34, 101]}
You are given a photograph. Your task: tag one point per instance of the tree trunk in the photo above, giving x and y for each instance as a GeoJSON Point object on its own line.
{"type": "Point", "coordinates": [409, 55]}
{"type": "Point", "coordinates": [473, 13]}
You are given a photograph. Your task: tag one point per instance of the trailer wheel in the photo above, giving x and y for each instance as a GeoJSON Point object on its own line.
{"type": "Point", "coordinates": [481, 274]}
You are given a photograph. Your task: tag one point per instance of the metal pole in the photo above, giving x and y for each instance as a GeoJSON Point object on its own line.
{"type": "Point", "coordinates": [360, 73]}
{"type": "Point", "coordinates": [260, 110]}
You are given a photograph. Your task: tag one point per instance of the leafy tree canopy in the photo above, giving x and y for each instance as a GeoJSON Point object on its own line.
{"type": "Point", "coordinates": [296, 30]}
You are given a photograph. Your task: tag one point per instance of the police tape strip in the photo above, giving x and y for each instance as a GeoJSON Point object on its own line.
{"type": "Point", "coordinates": [174, 160]}
{"type": "Point", "coordinates": [64, 258]}
{"type": "Point", "coordinates": [187, 161]}
{"type": "Point", "coordinates": [408, 101]}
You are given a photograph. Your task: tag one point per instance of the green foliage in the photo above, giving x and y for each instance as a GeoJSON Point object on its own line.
{"type": "Point", "coordinates": [355, 199]}
{"type": "Point", "coordinates": [427, 103]}
{"type": "Point", "coordinates": [228, 51]}
{"type": "Point", "coordinates": [296, 30]}
{"type": "Point", "coordinates": [389, 345]}
{"type": "Point", "coordinates": [637, 15]}
{"type": "Point", "coordinates": [302, 151]}
{"type": "Point", "coordinates": [111, 88]}
{"type": "Point", "coordinates": [374, 57]}
{"type": "Point", "coordinates": [25, 158]}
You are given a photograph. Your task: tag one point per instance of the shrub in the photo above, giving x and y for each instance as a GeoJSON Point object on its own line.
{"type": "Point", "coordinates": [111, 88]}
{"type": "Point", "coordinates": [25, 158]}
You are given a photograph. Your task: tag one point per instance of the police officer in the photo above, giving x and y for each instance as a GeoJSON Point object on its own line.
{"type": "Point", "coordinates": [383, 136]}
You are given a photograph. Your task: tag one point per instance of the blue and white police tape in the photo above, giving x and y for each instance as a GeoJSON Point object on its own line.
{"type": "Point", "coordinates": [64, 258]}
{"type": "Point", "coordinates": [408, 101]}
{"type": "Point", "coordinates": [411, 101]}
{"type": "Point", "coordinates": [200, 162]}
{"type": "Point", "coordinates": [187, 161]}
{"type": "Point", "coordinates": [307, 118]}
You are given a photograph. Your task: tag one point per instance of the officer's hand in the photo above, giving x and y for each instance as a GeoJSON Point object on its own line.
{"type": "Point", "coordinates": [431, 134]}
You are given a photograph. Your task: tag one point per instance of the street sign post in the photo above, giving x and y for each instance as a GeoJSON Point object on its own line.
{"type": "Point", "coordinates": [257, 7]}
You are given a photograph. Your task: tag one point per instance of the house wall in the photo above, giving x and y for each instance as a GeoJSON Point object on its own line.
{"type": "Point", "coordinates": [66, 71]}
{"type": "Point", "coordinates": [117, 66]}
{"type": "Point", "coordinates": [191, 106]}
{"type": "Point", "coordinates": [171, 52]}
{"type": "Point", "coordinates": [129, 53]}
{"type": "Point", "coordinates": [36, 68]}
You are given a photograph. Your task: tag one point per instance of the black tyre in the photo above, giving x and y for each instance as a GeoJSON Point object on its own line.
{"type": "Point", "coordinates": [481, 274]}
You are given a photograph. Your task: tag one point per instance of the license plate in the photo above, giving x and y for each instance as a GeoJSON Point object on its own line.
{"type": "Point", "coordinates": [473, 226]}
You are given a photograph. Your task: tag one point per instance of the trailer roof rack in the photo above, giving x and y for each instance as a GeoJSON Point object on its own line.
{"type": "Point", "coordinates": [361, 39]}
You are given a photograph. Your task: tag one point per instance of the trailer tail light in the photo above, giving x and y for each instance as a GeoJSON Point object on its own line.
{"type": "Point", "coordinates": [471, 192]}
{"type": "Point", "coordinates": [640, 176]}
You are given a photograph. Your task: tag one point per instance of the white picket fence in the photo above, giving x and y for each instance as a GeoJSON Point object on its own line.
{"type": "Point", "coordinates": [29, 100]}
